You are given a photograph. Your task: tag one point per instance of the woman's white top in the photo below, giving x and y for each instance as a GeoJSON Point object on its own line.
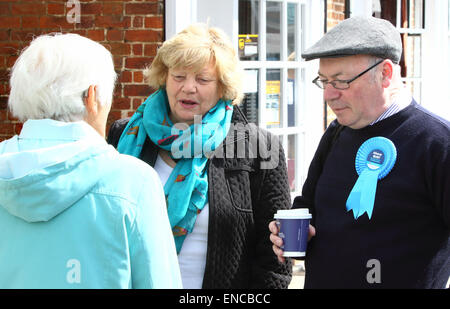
{"type": "Point", "coordinates": [192, 257]}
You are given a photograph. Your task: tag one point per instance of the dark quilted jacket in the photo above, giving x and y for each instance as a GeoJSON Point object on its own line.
{"type": "Point", "coordinates": [242, 201]}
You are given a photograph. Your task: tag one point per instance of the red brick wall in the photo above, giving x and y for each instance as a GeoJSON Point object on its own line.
{"type": "Point", "coordinates": [131, 30]}
{"type": "Point", "coordinates": [335, 12]}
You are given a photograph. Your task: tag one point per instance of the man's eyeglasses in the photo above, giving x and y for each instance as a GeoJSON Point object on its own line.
{"type": "Point", "coordinates": [341, 84]}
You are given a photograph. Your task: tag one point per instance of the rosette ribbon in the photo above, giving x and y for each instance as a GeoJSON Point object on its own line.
{"type": "Point", "coordinates": [374, 160]}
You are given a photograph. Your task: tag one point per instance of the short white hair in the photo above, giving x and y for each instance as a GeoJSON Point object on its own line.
{"type": "Point", "coordinates": [50, 77]}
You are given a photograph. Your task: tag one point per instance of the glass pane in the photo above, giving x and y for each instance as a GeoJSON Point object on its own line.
{"type": "Point", "coordinates": [386, 9]}
{"type": "Point", "coordinates": [291, 99]}
{"type": "Point", "coordinates": [413, 54]}
{"type": "Point", "coordinates": [248, 29]}
{"type": "Point", "coordinates": [273, 31]}
{"type": "Point", "coordinates": [415, 14]}
{"type": "Point", "coordinates": [291, 156]}
{"type": "Point", "coordinates": [250, 103]}
{"type": "Point", "coordinates": [412, 12]}
{"type": "Point", "coordinates": [272, 110]}
{"type": "Point", "coordinates": [292, 30]}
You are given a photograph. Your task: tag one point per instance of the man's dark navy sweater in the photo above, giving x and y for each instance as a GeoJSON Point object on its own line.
{"type": "Point", "coordinates": [406, 242]}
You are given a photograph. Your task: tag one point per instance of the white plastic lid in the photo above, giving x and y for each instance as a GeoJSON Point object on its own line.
{"type": "Point", "coordinates": [298, 213]}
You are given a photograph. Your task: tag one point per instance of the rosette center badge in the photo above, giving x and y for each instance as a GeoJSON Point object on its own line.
{"type": "Point", "coordinates": [374, 160]}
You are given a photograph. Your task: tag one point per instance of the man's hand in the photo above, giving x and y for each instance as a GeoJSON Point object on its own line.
{"type": "Point", "coordinates": [278, 242]}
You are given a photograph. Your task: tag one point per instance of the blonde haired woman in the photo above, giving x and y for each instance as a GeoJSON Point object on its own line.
{"type": "Point", "coordinates": [191, 131]}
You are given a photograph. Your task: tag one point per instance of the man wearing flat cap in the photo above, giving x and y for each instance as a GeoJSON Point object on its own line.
{"type": "Point", "coordinates": [378, 186]}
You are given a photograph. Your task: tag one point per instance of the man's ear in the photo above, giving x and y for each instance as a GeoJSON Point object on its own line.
{"type": "Point", "coordinates": [387, 73]}
{"type": "Point", "coordinates": [91, 102]}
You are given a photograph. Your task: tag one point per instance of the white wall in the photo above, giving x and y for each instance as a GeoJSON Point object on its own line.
{"type": "Point", "coordinates": [179, 15]}
{"type": "Point", "coordinates": [223, 14]}
{"type": "Point", "coordinates": [314, 96]}
{"type": "Point", "coordinates": [435, 64]}
{"type": "Point", "coordinates": [361, 8]}
{"type": "Point", "coordinates": [218, 13]}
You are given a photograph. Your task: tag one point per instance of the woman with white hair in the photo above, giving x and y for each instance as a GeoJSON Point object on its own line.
{"type": "Point", "coordinates": [74, 213]}
{"type": "Point", "coordinates": [220, 191]}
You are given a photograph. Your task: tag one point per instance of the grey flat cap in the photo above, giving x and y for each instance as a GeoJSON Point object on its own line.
{"type": "Point", "coordinates": [358, 36]}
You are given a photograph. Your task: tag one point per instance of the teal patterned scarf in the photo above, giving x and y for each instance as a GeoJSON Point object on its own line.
{"type": "Point", "coordinates": [186, 188]}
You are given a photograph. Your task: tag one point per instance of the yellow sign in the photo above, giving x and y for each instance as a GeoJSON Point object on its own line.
{"type": "Point", "coordinates": [248, 45]}
{"type": "Point", "coordinates": [271, 115]}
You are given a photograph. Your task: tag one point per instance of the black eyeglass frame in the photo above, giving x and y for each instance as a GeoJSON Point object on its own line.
{"type": "Point", "coordinates": [323, 84]}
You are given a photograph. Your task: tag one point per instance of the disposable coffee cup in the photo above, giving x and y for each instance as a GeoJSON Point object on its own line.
{"type": "Point", "coordinates": [293, 227]}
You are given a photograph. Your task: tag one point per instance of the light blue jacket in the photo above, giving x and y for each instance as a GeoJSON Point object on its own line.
{"type": "Point", "coordinates": [74, 213]}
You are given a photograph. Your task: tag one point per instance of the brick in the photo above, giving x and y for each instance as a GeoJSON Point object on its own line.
{"type": "Point", "coordinates": [125, 77]}
{"type": "Point", "coordinates": [3, 115]}
{"type": "Point", "coordinates": [3, 102]}
{"type": "Point", "coordinates": [30, 22]}
{"type": "Point", "coordinates": [5, 9]}
{"type": "Point", "coordinates": [136, 90]}
{"type": "Point", "coordinates": [9, 22]}
{"type": "Point", "coordinates": [86, 22]}
{"type": "Point", "coordinates": [154, 22]}
{"type": "Point", "coordinates": [24, 36]}
{"type": "Point", "coordinates": [28, 9]}
{"type": "Point", "coordinates": [118, 61]}
{"type": "Point", "coordinates": [113, 21]}
{"type": "Point", "coordinates": [143, 35]}
{"type": "Point", "coordinates": [10, 48]}
{"type": "Point", "coordinates": [137, 102]}
{"type": "Point", "coordinates": [7, 129]}
{"type": "Point", "coordinates": [137, 49]}
{"type": "Point", "coordinates": [138, 22]}
{"type": "Point", "coordinates": [56, 8]}
{"type": "Point", "coordinates": [4, 75]}
{"type": "Point", "coordinates": [121, 103]}
{"type": "Point", "coordinates": [96, 35]}
{"type": "Point", "coordinates": [4, 35]}
{"type": "Point", "coordinates": [18, 127]}
{"type": "Point", "coordinates": [112, 8]}
{"type": "Point", "coordinates": [150, 49]}
{"type": "Point", "coordinates": [4, 89]}
{"type": "Point", "coordinates": [113, 116]}
{"type": "Point", "coordinates": [117, 93]}
{"type": "Point", "coordinates": [115, 35]}
{"type": "Point", "coordinates": [11, 60]}
{"type": "Point", "coordinates": [137, 62]}
{"type": "Point", "coordinates": [54, 22]}
{"type": "Point", "coordinates": [118, 48]}
{"type": "Point", "coordinates": [138, 77]}
{"type": "Point", "coordinates": [141, 8]}
{"type": "Point", "coordinates": [91, 8]}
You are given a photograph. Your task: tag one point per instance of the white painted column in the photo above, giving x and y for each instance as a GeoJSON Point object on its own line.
{"type": "Point", "coordinates": [179, 15]}
{"type": "Point", "coordinates": [435, 59]}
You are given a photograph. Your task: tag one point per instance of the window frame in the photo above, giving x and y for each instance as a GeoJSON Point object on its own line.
{"type": "Point", "coordinates": [300, 66]}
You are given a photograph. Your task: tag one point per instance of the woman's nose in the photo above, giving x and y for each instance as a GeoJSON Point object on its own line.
{"type": "Point", "coordinates": [189, 85]}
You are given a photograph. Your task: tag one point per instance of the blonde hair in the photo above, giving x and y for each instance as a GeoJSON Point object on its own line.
{"type": "Point", "coordinates": [193, 48]}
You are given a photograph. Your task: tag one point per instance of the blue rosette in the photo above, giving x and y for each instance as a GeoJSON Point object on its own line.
{"type": "Point", "coordinates": [374, 160]}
